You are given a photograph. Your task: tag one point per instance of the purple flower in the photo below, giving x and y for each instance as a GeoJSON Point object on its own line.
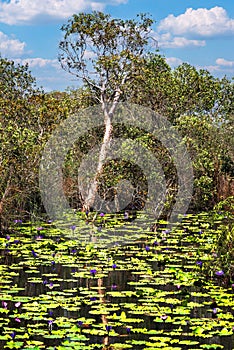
{"type": "Point", "coordinates": [8, 237]}
{"type": "Point", "coordinates": [45, 282]}
{"type": "Point", "coordinates": [166, 231]}
{"type": "Point", "coordinates": [80, 323]}
{"type": "Point", "coordinates": [39, 237]}
{"type": "Point", "coordinates": [102, 214]}
{"type": "Point", "coordinates": [18, 304]}
{"type": "Point", "coordinates": [93, 298]}
{"type": "Point", "coordinates": [17, 319]}
{"type": "Point", "coordinates": [114, 286]}
{"type": "Point", "coordinates": [50, 324]}
{"type": "Point", "coordinates": [219, 273]}
{"type": "Point", "coordinates": [93, 272]}
{"type": "Point", "coordinates": [199, 263]}
{"type": "Point", "coordinates": [155, 243]}
{"type": "Point", "coordinates": [39, 228]}
{"type": "Point", "coordinates": [128, 329]}
{"type": "Point", "coordinates": [73, 227]}
{"type": "Point", "coordinates": [114, 266]}
{"type": "Point", "coordinates": [13, 334]}
{"type": "Point", "coordinates": [108, 328]}
{"type": "Point", "coordinates": [34, 254]}
{"type": "Point", "coordinates": [18, 221]}
{"type": "Point", "coordinates": [147, 248]}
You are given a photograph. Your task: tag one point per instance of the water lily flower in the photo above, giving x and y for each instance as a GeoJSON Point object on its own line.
{"type": "Point", "coordinates": [39, 238]}
{"type": "Point", "coordinates": [13, 334]}
{"type": "Point", "coordinates": [93, 299]}
{"type": "Point", "coordinates": [50, 324]}
{"type": "Point", "coordinates": [34, 254]}
{"type": "Point", "coordinates": [126, 215]}
{"type": "Point", "coordinates": [128, 329]}
{"type": "Point", "coordinates": [108, 328]}
{"type": "Point", "coordinates": [93, 272]}
{"type": "Point", "coordinates": [199, 263]}
{"type": "Point", "coordinates": [166, 231]}
{"type": "Point", "coordinates": [17, 319]}
{"type": "Point", "coordinates": [4, 304]}
{"type": "Point", "coordinates": [219, 273]}
{"type": "Point", "coordinates": [164, 317]}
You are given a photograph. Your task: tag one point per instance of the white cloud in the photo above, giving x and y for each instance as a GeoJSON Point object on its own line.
{"type": "Point", "coordinates": [202, 22]}
{"type": "Point", "coordinates": [31, 11]}
{"type": "Point", "coordinates": [10, 46]}
{"type": "Point", "coordinates": [180, 42]}
{"type": "Point", "coordinates": [38, 62]}
{"type": "Point", "coordinates": [174, 61]}
{"type": "Point", "coordinates": [166, 40]}
{"type": "Point", "coordinates": [225, 63]}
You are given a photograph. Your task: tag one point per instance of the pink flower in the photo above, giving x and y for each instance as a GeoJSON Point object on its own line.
{"type": "Point", "coordinates": [4, 304]}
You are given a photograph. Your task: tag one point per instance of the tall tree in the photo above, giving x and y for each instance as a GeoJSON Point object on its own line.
{"type": "Point", "coordinates": [107, 54]}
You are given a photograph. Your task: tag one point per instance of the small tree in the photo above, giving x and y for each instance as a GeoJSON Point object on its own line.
{"type": "Point", "coordinates": [107, 54]}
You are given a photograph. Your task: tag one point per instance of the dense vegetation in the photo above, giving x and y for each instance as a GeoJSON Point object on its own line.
{"type": "Point", "coordinates": [199, 105]}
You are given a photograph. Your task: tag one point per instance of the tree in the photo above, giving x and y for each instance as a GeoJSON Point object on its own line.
{"type": "Point", "coordinates": [27, 118]}
{"type": "Point", "coordinates": [107, 54]}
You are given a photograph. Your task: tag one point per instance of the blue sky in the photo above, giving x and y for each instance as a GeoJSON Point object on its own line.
{"type": "Point", "coordinates": [194, 31]}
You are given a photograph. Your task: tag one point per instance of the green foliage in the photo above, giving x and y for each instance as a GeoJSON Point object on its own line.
{"type": "Point", "coordinates": [106, 53]}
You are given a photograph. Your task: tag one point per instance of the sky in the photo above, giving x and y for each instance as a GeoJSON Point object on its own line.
{"type": "Point", "coordinates": [200, 33]}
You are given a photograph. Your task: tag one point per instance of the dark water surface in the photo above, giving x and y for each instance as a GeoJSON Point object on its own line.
{"type": "Point", "coordinates": [148, 294]}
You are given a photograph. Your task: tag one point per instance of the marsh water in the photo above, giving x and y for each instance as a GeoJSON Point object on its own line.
{"type": "Point", "coordinates": [59, 292]}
